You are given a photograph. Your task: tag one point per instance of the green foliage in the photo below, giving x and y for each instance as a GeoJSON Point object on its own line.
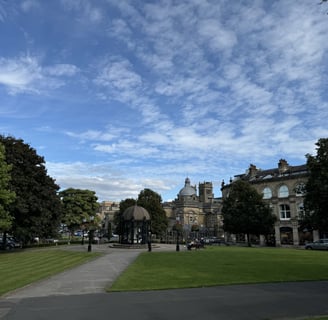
{"type": "Point", "coordinates": [316, 198]}
{"type": "Point", "coordinates": [221, 266]}
{"type": "Point", "coordinates": [152, 202]}
{"type": "Point", "coordinates": [177, 227]}
{"type": "Point", "coordinates": [78, 206]}
{"type": "Point", "coordinates": [6, 195]}
{"type": "Point", "coordinates": [124, 204]}
{"type": "Point", "coordinates": [37, 209]}
{"type": "Point", "coordinates": [244, 211]}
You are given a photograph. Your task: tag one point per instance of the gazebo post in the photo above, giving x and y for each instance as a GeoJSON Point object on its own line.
{"type": "Point", "coordinates": [132, 231]}
{"type": "Point", "coordinates": [149, 235]}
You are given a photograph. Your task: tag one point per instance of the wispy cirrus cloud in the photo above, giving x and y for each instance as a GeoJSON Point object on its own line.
{"type": "Point", "coordinates": [20, 74]}
{"type": "Point", "coordinates": [167, 89]}
{"type": "Point", "coordinates": [119, 75]}
{"type": "Point", "coordinates": [61, 69]}
{"type": "Point", "coordinates": [28, 5]}
{"type": "Point", "coordinates": [92, 135]}
{"type": "Point", "coordinates": [26, 74]}
{"type": "Point", "coordinates": [86, 11]}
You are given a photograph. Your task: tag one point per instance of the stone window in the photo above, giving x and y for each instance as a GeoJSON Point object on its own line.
{"type": "Point", "coordinates": [283, 192]}
{"type": "Point", "coordinates": [284, 212]}
{"type": "Point", "coordinates": [267, 193]}
{"type": "Point", "coordinates": [300, 189]}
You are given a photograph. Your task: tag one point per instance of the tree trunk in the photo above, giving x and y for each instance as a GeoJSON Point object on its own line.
{"type": "Point", "coordinates": [248, 240]}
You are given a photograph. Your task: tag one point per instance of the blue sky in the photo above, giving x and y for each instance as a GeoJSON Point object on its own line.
{"type": "Point", "coordinates": [119, 96]}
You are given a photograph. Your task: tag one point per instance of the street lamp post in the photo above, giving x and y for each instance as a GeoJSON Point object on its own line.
{"type": "Point", "coordinates": [90, 240]}
{"type": "Point", "coordinates": [178, 244]}
{"type": "Point", "coordinates": [149, 241]}
{"type": "Point", "coordinates": [91, 230]}
{"type": "Point", "coordinates": [178, 232]}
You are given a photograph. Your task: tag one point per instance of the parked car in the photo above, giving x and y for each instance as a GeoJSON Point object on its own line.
{"type": "Point", "coordinates": [214, 241]}
{"type": "Point", "coordinates": [321, 244]}
{"type": "Point", "coordinates": [109, 238]}
{"type": "Point", "coordinates": [51, 240]}
{"type": "Point", "coordinates": [15, 242]}
{"type": "Point", "coordinates": [9, 245]}
{"type": "Point", "coordinates": [114, 238]}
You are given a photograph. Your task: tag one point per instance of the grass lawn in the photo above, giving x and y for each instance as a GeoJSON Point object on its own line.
{"type": "Point", "coordinates": [221, 266]}
{"type": "Point", "coordinates": [21, 268]}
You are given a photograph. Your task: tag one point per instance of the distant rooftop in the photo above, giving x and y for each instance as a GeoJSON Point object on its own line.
{"type": "Point", "coordinates": [254, 174]}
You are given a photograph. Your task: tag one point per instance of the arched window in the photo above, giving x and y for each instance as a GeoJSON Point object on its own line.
{"type": "Point", "coordinates": [284, 212]}
{"type": "Point", "coordinates": [283, 192]}
{"type": "Point", "coordinates": [267, 193]}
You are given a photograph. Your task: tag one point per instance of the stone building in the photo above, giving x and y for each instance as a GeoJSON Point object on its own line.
{"type": "Point", "coordinates": [196, 212]}
{"type": "Point", "coordinates": [283, 190]}
{"type": "Point", "coordinates": [106, 212]}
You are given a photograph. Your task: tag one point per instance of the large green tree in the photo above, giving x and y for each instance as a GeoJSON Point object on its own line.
{"type": "Point", "coordinates": [124, 204]}
{"type": "Point", "coordinates": [79, 207]}
{"type": "Point", "coordinates": [316, 197]}
{"type": "Point", "coordinates": [6, 195]}
{"type": "Point", "coordinates": [244, 211]}
{"type": "Point", "coordinates": [36, 211]}
{"type": "Point", "coordinates": [152, 202]}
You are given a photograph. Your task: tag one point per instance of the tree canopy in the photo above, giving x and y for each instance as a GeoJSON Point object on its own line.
{"type": "Point", "coordinates": [78, 207]}
{"type": "Point", "coordinates": [152, 202]}
{"type": "Point", "coordinates": [6, 195]}
{"type": "Point", "coordinates": [124, 204]}
{"type": "Point", "coordinates": [316, 197]}
{"type": "Point", "coordinates": [36, 210]}
{"type": "Point", "coordinates": [244, 211]}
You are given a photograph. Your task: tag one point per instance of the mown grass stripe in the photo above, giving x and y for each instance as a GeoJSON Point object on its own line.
{"type": "Point", "coordinates": [21, 268]}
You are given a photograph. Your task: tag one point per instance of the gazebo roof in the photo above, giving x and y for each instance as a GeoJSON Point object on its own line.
{"type": "Point", "coordinates": [136, 212]}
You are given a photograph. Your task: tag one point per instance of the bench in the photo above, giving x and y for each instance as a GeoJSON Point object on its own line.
{"type": "Point", "coordinates": [196, 245]}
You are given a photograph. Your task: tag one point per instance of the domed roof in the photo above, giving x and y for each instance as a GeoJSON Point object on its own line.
{"type": "Point", "coordinates": [136, 212]}
{"type": "Point", "coordinates": [187, 190]}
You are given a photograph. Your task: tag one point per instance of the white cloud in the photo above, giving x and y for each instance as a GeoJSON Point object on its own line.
{"type": "Point", "coordinates": [85, 10]}
{"type": "Point", "coordinates": [20, 74]}
{"type": "Point", "coordinates": [216, 36]}
{"type": "Point", "coordinates": [118, 75]}
{"type": "Point", "coordinates": [131, 149]}
{"type": "Point", "coordinates": [61, 69]}
{"type": "Point", "coordinates": [175, 88]}
{"type": "Point", "coordinates": [92, 135]}
{"type": "Point", "coordinates": [28, 5]}
{"type": "Point", "coordinates": [3, 11]}
{"type": "Point", "coordinates": [109, 185]}
{"type": "Point", "coordinates": [26, 74]}
{"type": "Point", "coordinates": [120, 28]}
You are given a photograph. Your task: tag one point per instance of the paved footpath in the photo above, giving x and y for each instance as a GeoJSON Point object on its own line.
{"type": "Point", "coordinates": [91, 277]}
{"type": "Point", "coordinates": [80, 294]}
